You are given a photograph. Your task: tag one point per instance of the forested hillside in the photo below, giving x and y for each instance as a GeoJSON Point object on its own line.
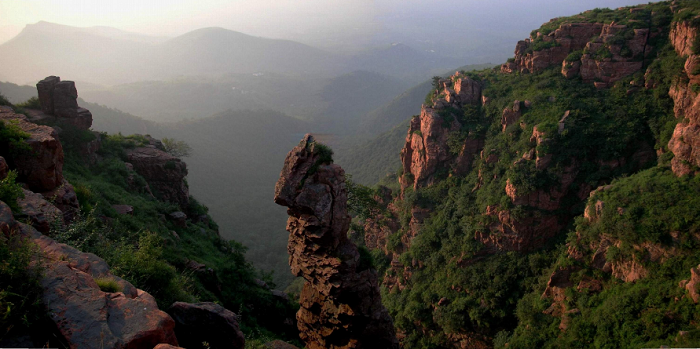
{"type": "Point", "coordinates": [534, 205]}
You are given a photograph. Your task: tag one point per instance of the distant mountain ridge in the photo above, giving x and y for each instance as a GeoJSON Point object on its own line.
{"type": "Point", "coordinates": [110, 56]}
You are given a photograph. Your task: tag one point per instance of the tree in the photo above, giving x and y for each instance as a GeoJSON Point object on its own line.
{"type": "Point", "coordinates": [176, 148]}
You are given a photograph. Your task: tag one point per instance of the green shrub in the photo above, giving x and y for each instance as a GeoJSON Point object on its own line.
{"type": "Point", "coordinates": [20, 291]}
{"type": "Point", "coordinates": [574, 56]}
{"type": "Point", "coordinates": [31, 103]}
{"type": "Point", "coordinates": [176, 148]}
{"type": "Point", "coordinates": [12, 138]}
{"type": "Point", "coordinates": [108, 284]}
{"type": "Point", "coordinates": [10, 191]}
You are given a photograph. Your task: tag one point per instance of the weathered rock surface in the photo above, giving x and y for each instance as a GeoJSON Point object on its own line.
{"type": "Point", "coordinates": [40, 167]}
{"type": "Point", "coordinates": [206, 322]}
{"type": "Point", "coordinates": [60, 98]}
{"type": "Point", "coordinates": [692, 285]}
{"type": "Point", "coordinates": [41, 213]}
{"type": "Point", "coordinates": [685, 142]}
{"type": "Point", "coordinates": [426, 155]}
{"type": "Point", "coordinates": [340, 301]}
{"type": "Point", "coordinates": [86, 316]}
{"type": "Point", "coordinates": [568, 38]}
{"type": "Point", "coordinates": [610, 52]}
{"type": "Point", "coordinates": [164, 173]}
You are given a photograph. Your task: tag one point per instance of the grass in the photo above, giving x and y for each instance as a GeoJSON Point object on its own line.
{"type": "Point", "coordinates": [108, 284]}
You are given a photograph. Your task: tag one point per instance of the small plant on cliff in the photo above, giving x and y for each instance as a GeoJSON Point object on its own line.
{"type": "Point", "coordinates": [361, 199]}
{"type": "Point", "coordinates": [108, 284]}
{"type": "Point", "coordinates": [10, 191]}
{"type": "Point", "coordinates": [176, 148]}
{"type": "Point", "coordinates": [574, 56]}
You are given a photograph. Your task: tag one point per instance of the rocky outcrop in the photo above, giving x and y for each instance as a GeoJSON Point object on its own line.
{"type": "Point", "coordinates": [164, 173]}
{"type": "Point", "coordinates": [206, 322]}
{"type": "Point", "coordinates": [511, 115]}
{"type": "Point", "coordinates": [86, 316]}
{"type": "Point", "coordinates": [567, 38]}
{"type": "Point", "coordinates": [692, 285]}
{"type": "Point", "coordinates": [60, 98]}
{"type": "Point", "coordinates": [426, 155]}
{"type": "Point", "coordinates": [685, 142]}
{"type": "Point", "coordinates": [607, 52]}
{"type": "Point", "coordinates": [340, 301]}
{"type": "Point", "coordinates": [40, 166]}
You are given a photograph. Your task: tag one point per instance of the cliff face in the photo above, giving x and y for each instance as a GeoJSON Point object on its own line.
{"type": "Point", "coordinates": [600, 53]}
{"type": "Point", "coordinates": [685, 142]}
{"type": "Point", "coordinates": [426, 155]}
{"type": "Point", "coordinates": [340, 301]}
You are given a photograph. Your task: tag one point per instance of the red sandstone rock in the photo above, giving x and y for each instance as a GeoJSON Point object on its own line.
{"type": "Point", "coordinates": [682, 37]}
{"type": "Point", "coordinates": [164, 173]}
{"type": "Point", "coordinates": [86, 316]}
{"type": "Point", "coordinates": [692, 285]}
{"type": "Point", "coordinates": [60, 98]}
{"type": "Point", "coordinates": [340, 302]}
{"type": "Point", "coordinates": [426, 152]}
{"type": "Point", "coordinates": [41, 213]}
{"type": "Point", "coordinates": [42, 166]}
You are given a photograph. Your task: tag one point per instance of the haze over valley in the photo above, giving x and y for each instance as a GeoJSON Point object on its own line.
{"type": "Point", "coordinates": [242, 90]}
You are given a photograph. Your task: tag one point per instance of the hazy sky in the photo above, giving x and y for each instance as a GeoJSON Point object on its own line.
{"type": "Point", "coordinates": [287, 18]}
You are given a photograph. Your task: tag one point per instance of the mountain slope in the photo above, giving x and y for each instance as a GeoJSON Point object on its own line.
{"type": "Point", "coordinates": [551, 203]}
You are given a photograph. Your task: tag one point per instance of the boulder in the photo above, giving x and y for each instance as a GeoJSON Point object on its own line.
{"type": "Point", "coordinates": [40, 167]}
{"type": "Point", "coordinates": [164, 173]}
{"type": "Point", "coordinates": [60, 98]}
{"type": "Point", "coordinates": [340, 305]}
{"type": "Point", "coordinates": [41, 213]}
{"type": "Point", "coordinates": [179, 218]}
{"type": "Point", "coordinates": [45, 90]}
{"type": "Point", "coordinates": [83, 314]}
{"type": "Point", "coordinates": [206, 322]}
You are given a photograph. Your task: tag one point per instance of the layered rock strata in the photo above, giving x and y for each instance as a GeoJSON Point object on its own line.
{"type": "Point", "coordinates": [340, 301]}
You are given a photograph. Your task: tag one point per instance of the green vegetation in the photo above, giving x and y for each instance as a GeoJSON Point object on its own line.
{"type": "Point", "coordinates": [10, 191]}
{"type": "Point", "coordinates": [499, 295]}
{"type": "Point", "coordinates": [31, 103]}
{"type": "Point", "coordinates": [20, 292]}
{"type": "Point", "coordinates": [12, 138]}
{"type": "Point", "coordinates": [107, 284]}
{"type": "Point", "coordinates": [657, 207]}
{"type": "Point", "coordinates": [153, 253]}
{"type": "Point", "coordinates": [176, 148]}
